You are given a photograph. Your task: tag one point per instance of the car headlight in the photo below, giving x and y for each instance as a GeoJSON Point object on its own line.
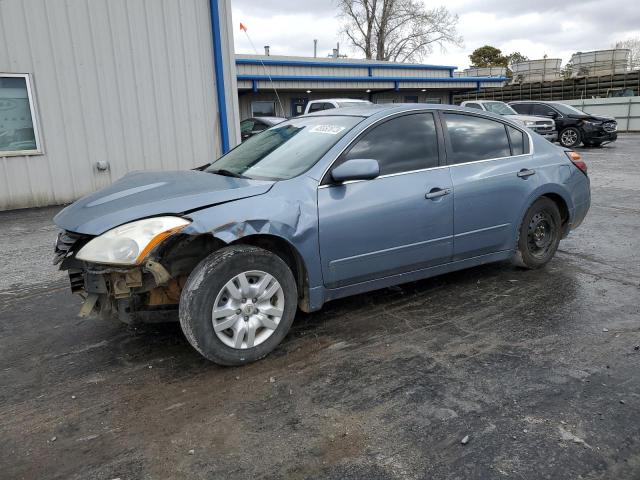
{"type": "Point", "coordinates": [529, 123]}
{"type": "Point", "coordinates": [129, 244]}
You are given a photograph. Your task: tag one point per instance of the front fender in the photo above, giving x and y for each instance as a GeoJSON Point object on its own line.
{"type": "Point", "coordinates": [288, 211]}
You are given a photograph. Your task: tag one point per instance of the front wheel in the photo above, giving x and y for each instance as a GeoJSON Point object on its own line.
{"type": "Point", "coordinates": [238, 304]}
{"type": "Point", "coordinates": [570, 137]}
{"type": "Point", "coordinates": [539, 235]}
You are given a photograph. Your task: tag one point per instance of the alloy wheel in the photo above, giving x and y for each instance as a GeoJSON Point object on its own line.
{"type": "Point", "coordinates": [248, 309]}
{"type": "Point", "coordinates": [569, 137]}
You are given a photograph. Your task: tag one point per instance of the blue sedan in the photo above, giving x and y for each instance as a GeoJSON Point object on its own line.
{"type": "Point", "coordinates": [316, 208]}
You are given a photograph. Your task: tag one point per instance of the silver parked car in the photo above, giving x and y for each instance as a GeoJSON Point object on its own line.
{"type": "Point", "coordinates": [316, 208]}
{"type": "Point", "coordinates": [541, 125]}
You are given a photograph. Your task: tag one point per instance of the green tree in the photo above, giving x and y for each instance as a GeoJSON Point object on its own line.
{"type": "Point", "coordinates": [516, 57]}
{"type": "Point", "coordinates": [488, 56]}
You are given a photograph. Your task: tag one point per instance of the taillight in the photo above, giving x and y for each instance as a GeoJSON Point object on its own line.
{"type": "Point", "coordinates": [576, 159]}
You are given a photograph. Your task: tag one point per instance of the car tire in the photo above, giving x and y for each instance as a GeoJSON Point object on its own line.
{"type": "Point", "coordinates": [539, 235]}
{"type": "Point", "coordinates": [218, 294]}
{"type": "Point", "coordinates": [570, 137]}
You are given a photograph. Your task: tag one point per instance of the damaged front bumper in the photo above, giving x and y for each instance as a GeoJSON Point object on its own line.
{"type": "Point", "coordinates": [140, 293]}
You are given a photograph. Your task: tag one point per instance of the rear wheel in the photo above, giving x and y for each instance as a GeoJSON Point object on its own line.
{"type": "Point", "coordinates": [570, 137]}
{"type": "Point", "coordinates": [238, 304]}
{"type": "Point", "coordinates": [539, 235]}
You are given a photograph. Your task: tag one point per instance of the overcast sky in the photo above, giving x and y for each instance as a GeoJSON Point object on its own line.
{"type": "Point", "coordinates": [534, 28]}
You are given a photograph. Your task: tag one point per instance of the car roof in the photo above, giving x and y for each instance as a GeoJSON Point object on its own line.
{"type": "Point", "coordinates": [538, 101]}
{"type": "Point", "coordinates": [339, 100]}
{"type": "Point", "coordinates": [369, 110]}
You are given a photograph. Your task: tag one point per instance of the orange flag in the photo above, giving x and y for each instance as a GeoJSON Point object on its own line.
{"type": "Point", "coordinates": [242, 27]}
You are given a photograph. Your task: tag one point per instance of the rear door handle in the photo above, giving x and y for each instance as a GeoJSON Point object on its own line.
{"type": "Point", "coordinates": [525, 172]}
{"type": "Point", "coordinates": [437, 193]}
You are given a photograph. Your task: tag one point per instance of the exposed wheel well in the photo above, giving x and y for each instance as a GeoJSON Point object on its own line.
{"type": "Point", "coordinates": [181, 255]}
{"type": "Point", "coordinates": [291, 257]}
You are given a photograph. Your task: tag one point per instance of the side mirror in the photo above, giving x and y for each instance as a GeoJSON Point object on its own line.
{"type": "Point", "coordinates": [356, 169]}
{"type": "Point", "coordinates": [551, 114]}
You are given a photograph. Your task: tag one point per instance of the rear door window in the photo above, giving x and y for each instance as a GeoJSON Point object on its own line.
{"type": "Point", "coordinates": [402, 144]}
{"type": "Point", "coordinates": [473, 105]}
{"type": "Point", "coordinates": [522, 108]}
{"type": "Point", "coordinates": [475, 138]}
{"type": "Point", "coordinates": [518, 139]}
{"type": "Point", "coordinates": [541, 110]}
{"type": "Point", "coordinates": [316, 107]}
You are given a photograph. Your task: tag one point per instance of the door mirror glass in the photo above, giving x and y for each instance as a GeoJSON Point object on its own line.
{"type": "Point", "coordinates": [356, 169]}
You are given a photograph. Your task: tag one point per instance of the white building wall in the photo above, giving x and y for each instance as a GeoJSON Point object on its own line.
{"type": "Point", "coordinates": [128, 82]}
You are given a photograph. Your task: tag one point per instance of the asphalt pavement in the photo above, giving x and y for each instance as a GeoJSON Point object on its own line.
{"type": "Point", "coordinates": [537, 370]}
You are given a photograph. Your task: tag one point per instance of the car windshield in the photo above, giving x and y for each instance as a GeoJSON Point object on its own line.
{"type": "Point", "coordinates": [285, 150]}
{"type": "Point", "coordinates": [567, 109]}
{"type": "Point", "coordinates": [500, 108]}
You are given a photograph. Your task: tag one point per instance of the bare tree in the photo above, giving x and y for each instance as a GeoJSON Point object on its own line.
{"type": "Point", "coordinates": [632, 44]}
{"type": "Point", "coordinates": [397, 30]}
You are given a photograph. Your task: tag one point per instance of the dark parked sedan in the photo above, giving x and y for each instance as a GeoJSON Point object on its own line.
{"type": "Point", "coordinates": [254, 125]}
{"type": "Point", "coordinates": [574, 126]}
{"type": "Point", "coordinates": [316, 208]}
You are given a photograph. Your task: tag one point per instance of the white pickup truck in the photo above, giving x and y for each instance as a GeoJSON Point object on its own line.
{"type": "Point", "coordinates": [541, 125]}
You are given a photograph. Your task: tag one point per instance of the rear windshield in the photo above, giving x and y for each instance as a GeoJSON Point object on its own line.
{"type": "Point", "coordinates": [500, 108]}
{"type": "Point", "coordinates": [285, 150]}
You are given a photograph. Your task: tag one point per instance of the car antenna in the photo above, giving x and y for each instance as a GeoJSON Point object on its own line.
{"type": "Point", "coordinates": [244, 29]}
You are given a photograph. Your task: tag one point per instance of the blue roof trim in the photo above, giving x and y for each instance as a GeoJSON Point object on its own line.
{"type": "Point", "coordinates": [310, 63]}
{"type": "Point", "coordinates": [311, 78]}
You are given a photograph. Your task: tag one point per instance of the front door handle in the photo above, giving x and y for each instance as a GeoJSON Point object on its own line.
{"type": "Point", "coordinates": [525, 173]}
{"type": "Point", "coordinates": [437, 193]}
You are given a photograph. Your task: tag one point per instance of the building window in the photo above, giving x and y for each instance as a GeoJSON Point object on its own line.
{"type": "Point", "coordinates": [263, 109]}
{"type": "Point", "coordinates": [18, 127]}
{"type": "Point", "coordinates": [433, 100]}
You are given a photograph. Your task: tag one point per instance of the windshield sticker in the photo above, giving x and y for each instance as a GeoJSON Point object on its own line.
{"type": "Point", "coordinates": [330, 129]}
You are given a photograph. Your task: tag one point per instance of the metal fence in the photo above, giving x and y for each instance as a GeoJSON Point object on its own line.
{"type": "Point", "coordinates": [567, 89]}
{"type": "Point", "coordinates": [626, 110]}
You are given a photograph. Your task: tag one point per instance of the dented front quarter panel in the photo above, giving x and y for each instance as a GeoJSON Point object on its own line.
{"type": "Point", "coordinates": [289, 212]}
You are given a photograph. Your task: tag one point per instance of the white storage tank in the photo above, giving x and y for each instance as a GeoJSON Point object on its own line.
{"type": "Point", "coordinates": [540, 70]}
{"type": "Point", "coordinates": [599, 62]}
{"type": "Point", "coordinates": [485, 72]}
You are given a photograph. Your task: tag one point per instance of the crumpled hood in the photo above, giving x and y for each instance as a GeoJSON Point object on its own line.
{"type": "Point", "coordinates": [596, 118]}
{"type": "Point", "coordinates": [148, 194]}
